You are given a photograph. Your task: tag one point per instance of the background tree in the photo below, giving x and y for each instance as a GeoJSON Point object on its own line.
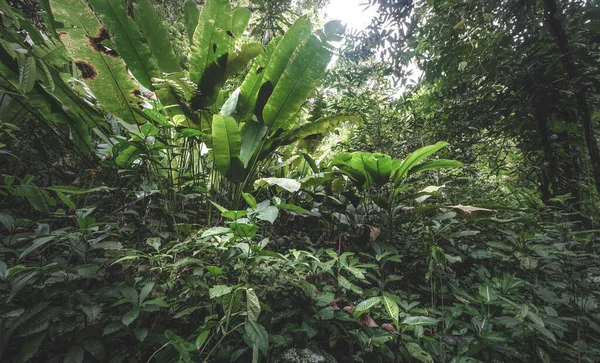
{"type": "Point", "coordinates": [496, 73]}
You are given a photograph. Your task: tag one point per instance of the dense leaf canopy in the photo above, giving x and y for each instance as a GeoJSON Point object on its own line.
{"type": "Point", "coordinates": [219, 181]}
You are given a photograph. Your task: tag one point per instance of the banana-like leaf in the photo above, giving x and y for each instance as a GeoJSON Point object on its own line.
{"type": "Point", "coordinates": [297, 82]}
{"type": "Point", "coordinates": [228, 108]}
{"type": "Point", "coordinates": [415, 158]}
{"type": "Point", "coordinates": [302, 132]}
{"type": "Point", "coordinates": [237, 61]}
{"type": "Point", "coordinates": [286, 48]}
{"type": "Point", "coordinates": [174, 93]}
{"type": "Point", "coordinates": [156, 36]}
{"type": "Point", "coordinates": [210, 84]}
{"type": "Point", "coordinates": [252, 135]}
{"type": "Point", "coordinates": [218, 72]}
{"type": "Point", "coordinates": [128, 40]}
{"type": "Point", "coordinates": [52, 52]}
{"type": "Point", "coordinates": [239, 21]}
{"type": "Point", "coordinates": [270, 66]}
{"type": "Point", "coordinates": [253, 82]}
{"type": "Point", "coordinates": [52, 59]}
{"type": "Point", "coordinates": [58, 106]}
{"type": "Point", "coordinates": [435, 164]}
{"type": "Point", "coordinates": [226, 142]}
{"type": "Point", "coordinates": [379, 167]}
{"type": "Point", "coordinates": [318, 127]}
{"type": "Point", "coordinates": [211, 39]}
{"type": "Point", "coordinates": [72, 102]}
{"type": "Point", "coordinates": [191, 13]}
{"type": "Point", "coordinates": [352, 164]}
{"type": "Point", "coordinates": [105, 74]}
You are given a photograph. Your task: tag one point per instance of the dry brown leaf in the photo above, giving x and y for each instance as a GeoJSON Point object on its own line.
{"type": "Point", "coordinates": [389, 327]}
{"type": "Point", "coordinates": [366, 320]}
{"type": "Point", "coordinates": [349, 309]}
{"type": "Point", "coordinates": [334, 305]}
{"type": "Point", "coordinates": [374, 232]}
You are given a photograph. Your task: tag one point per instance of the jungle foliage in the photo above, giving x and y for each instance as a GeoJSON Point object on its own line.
{"type": "Point", "coordinates": [185, 183]}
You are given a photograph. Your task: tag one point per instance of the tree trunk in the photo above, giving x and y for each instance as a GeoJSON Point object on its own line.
{"type": "Point", "coordinates": [548, 179]}
{"type": "Point", "coordinates": [552, 17]}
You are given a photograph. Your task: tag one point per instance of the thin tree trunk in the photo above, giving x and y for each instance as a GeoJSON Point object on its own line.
{"type": "Point", "coordinates": [548, 179]}
{"type": "Point", "coordinates": [552, 18]}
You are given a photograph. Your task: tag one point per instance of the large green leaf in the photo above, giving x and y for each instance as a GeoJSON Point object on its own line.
{"type": "Point", "coordinates": [156, 35]}
{"type": "Point", "coordinates": [418, 353]}
{"type": "Point", "coordinates": [226, 142]}
{"type": "Point", "coordinates": [435, 164]}
{"type": "Point", "coordinates": [391, 307]}
{"type": "Point", "coordinates": [128, 39]}
{"type": "Point", "coordinates": [201, 339]}
{"type": "Point", "coordinates": [237, 61]}
{"type": "Point", "coordinates": [495, 337]}
{"type": "Point", "coordinates": [27, 73]}
{"type": "Point", "coordinates": [95, 348]}
{"type": "Point", "coordinates": [45, 48]}
{"type": "Point", "coordinates": [210, 40]}
{"type": "Point", "coordinates": [30, 348]}
{"type": "Point", "coordinates": [130, 316]}
{"type": "Point", "coordinates": [289, 44]}
{"type": "Point", "coordinates": [252, 134]}
{"type": "Point", "coordinates": [79, 112]}
{"type": "Point", "coordinates": [257, 334]}
{"type": "Point", "coordinates": [318, 127]}
{"type": "Point", "coordinates": [82, 116]}
{"type": "Point", "coordinates": [487, 293]}
{"type": "Point", "coordinates": [74, 355]}
{"type": "Point", "coordinates": [419, 320]}
{"type": "Point", "coordinates": [59, 107]}
{"type": "Point", "coordinates": [290, 185]}
{"type": "Point", "coordinates": [252, 305]}
{"type": "Point", "coordinates": [20, 281]}
{"type": "Point", "coordinates": [270, 66]}
{"type": "Point", "coordinates": [219, 290]}
{"type": "Point", "coordinates": [210, 87]}
{"type": "Point", "coordinates": [35, 197]}
{"type": "Point", "coordinates": [366, 305]}
{"type": "Point", "coordinates": [56, 102]}
{"type": "Point", "coordinates": [191, 13]}
{"type": "Point", "coordinates": [239, 21]}
{"type": "Point", "coordinates": [105, 74]}
{"type": "Point", "coordinates": [210, 84]}
{"type": "Point", "coordinates": [379, 167]}
{"type": "Point", "coordinates": [298, 80]}
{"type": "Point", "coordinates": [353, 165]}
{"type": "Point", "coordinates": [35, 245]}
{"type": "Point", "coordinates": [253, 82]}
{"type": "Point", "coordinates": [415, 158]}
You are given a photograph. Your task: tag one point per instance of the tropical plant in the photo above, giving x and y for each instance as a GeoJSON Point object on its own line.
{"type": "Point", "coordinates": [183, 200]}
